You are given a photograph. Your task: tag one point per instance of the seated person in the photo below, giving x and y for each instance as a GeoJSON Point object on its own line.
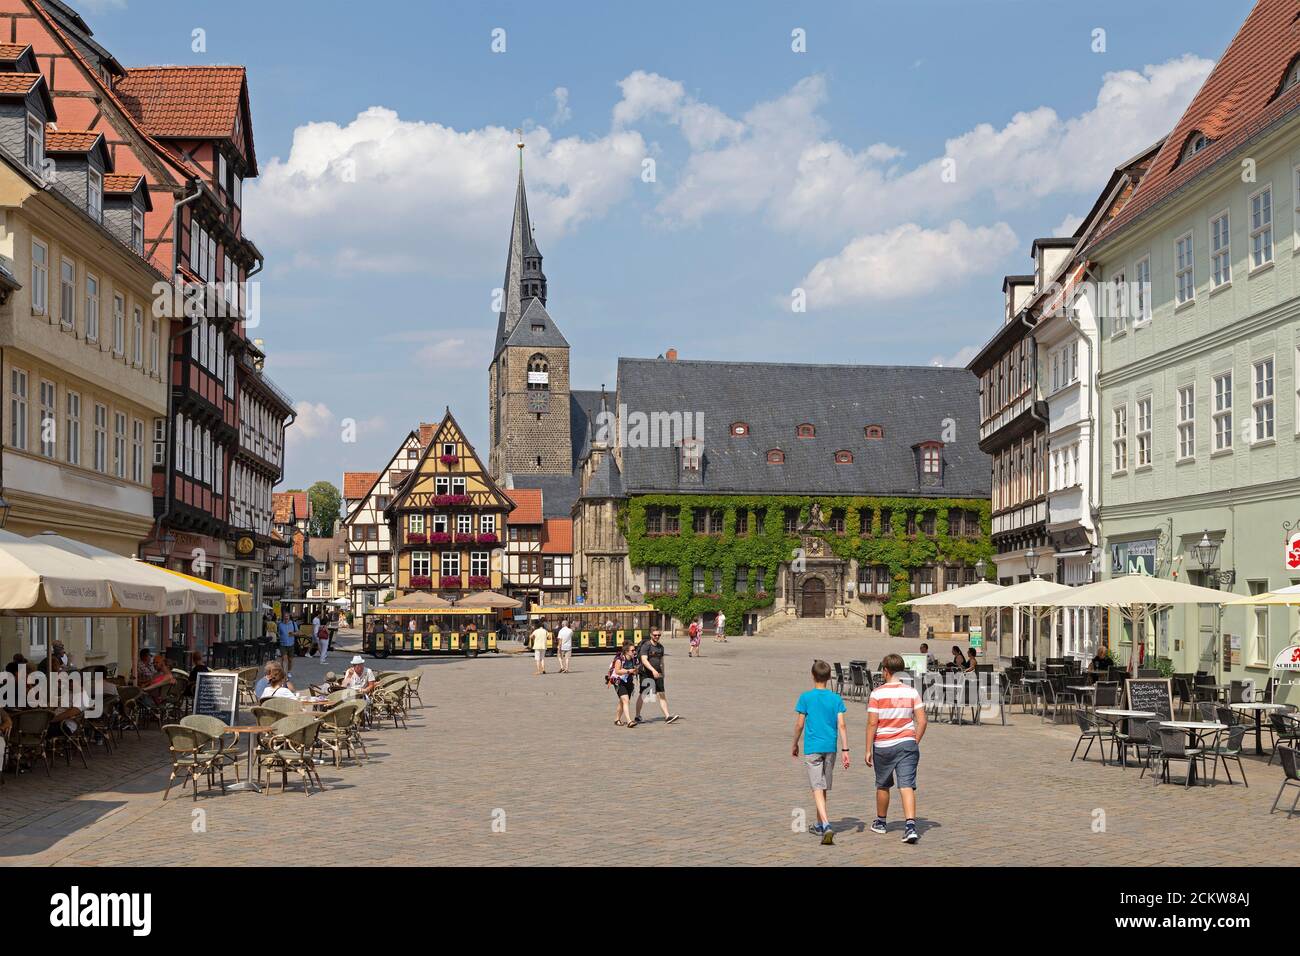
{"type": "Point", "coordinates": [931, 662]}
{"type": "Point", "coordinates": [958, 662]}
{"type": "Point", "coordinates": [274, 683]}
{"type": "Point", "coordinates": [1101, 661]}
{"type": "Point", "coordinates": [358, 677]}
{"type": "Point", "coordinates": [970, 661]}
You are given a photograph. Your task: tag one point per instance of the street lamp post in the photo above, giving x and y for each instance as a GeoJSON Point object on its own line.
{"type": "Point", "coordinates": [1206, 552]}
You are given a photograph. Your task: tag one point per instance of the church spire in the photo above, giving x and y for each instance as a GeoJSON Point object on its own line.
{"type": "Point", "coordinates": [524, 277]}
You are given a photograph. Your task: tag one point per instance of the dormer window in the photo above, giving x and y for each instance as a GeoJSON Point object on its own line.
{"type": "Point", "coordinates": [1196, 142]}
{"type": "Point", "coordinates": [776, 457]}
{"type": "Point", "coordinates": [691, 453]}
{"type": "Point", "coordinates": [1292, 76]}
{"type": "Point", "coordinates": [806, 431]}
{"type": "Point", "coordinates": [844, 457]}
{"type": "Point", "coordinates": [95, 194]}
{"type": "Point", "coordinates": [875, 432]}
{"type": "Point", "coordinates": [35, 155]}
{"type": "Point", "coordinates": [739, 429]}
{"type": "Point", "coordinates": [137, 229]}
{"type": "Point", "coordinates": [931, 460]}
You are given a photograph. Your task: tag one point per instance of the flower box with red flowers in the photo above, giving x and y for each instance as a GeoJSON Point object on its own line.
{"type": "Point", "coordinates": [487, 537]}
{"type": "Point", "coordinates": [439, 537]}
{"type": "Point", "coordinates": [464, 537]}
{"type": "Point", "coordinates": [479, 581]}
{"type": "Point", "coordinates": [421, 581]}
{"type": "Point", "coordinates": [448, 459]}
{"type": "Point", "coordinates": [449, 581]}
{"type": "Point", "coordinates": [416, 537]}
{"type": "Point", "coordinates": [446, 500]}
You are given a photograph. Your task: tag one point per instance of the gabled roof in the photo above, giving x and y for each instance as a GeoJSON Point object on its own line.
{"type": "Point", "coordinates": [377, 475]}
{"type": "Point", "coordinates": [1240, 99]}
{"type": "Point", "coordinates": [122, 182]}
{"type": "Point", "coordinates": [528, 505]}
{"type": "Point", "coordinates": [557, 536]}
{"type": "Point", "coordinates": [536, 329]}
{"type": "Point", "coordinates": [521, 239]}
{"type": "Point", "coordinates": [449, 426]}
{"type": "Point", "coordinates": [605, 482]}
{"type": "Point", "coordinates": [356, 484]}
{"type": "Point", "coordinates": [182, 102]}
{"type": "Point", "coordinates": [70, 140]}
{"type": "Point", "coordinates": [20, 84]}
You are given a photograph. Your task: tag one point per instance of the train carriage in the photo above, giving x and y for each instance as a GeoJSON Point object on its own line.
{"type": "Point", "coordinates": [595, 628]}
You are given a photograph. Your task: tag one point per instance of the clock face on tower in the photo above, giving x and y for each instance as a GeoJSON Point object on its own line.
{"type": "Point", "coordinates": [537, 402]}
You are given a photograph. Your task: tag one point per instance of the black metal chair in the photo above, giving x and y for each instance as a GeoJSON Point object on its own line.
{"type": "Point", "coordinates": [1091, 731]}
{"type": "Point", "coordinates": [1152, 744]}
{"type": "Point", "coordinates": [1291, 778]}
{"type": "Point", "coordinates": [1228, 749]}
{"type": "Point", "coordinates": [1285, 729]}
{"type": "Point", "coordinates": [1173, 746]}
{"type": "Point", "coordinates": [1106, 694]}
{"type": "Point", "coordinates": [839, 678]}
{"type": "Point", "coordinates": [856, 685]}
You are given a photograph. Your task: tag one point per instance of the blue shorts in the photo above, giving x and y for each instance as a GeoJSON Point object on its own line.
{"type": "Point", "coordinates": [901, 760]}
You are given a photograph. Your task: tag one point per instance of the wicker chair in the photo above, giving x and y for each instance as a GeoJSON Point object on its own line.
{"type": "Point", "coordinates": [64, 739]}
{"type": "Point", "coordinates": [339, 733]}
{"type": "Point", "coordinates": [413, 689]}
{"type": "Point", "coordinates": [285, 706]}
{"type": "Point", "coordinates": [128, 709]}
{"type": "Point", "coordinates": [247, 678]}
{"type": "Point", "coordinates": [28, 738]}
{"type": "Point", "coordinates": [389, 700]}
{"type": "Point", "coordinates": [193, 755]}
{"type": "Point", "coordinates": [289, 749]}
{"type": "Point", "coordinates": [226, 753]}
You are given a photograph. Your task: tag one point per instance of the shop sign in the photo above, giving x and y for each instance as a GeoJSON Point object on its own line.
{"type": "Point", "coordinates": [1133, 557]}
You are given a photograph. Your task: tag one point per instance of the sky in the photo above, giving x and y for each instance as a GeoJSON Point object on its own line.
{"type": "Point", "coordinates": [695, 173]}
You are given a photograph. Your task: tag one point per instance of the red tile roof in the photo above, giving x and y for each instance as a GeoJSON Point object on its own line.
{"type": "Point", "coordinates": [17, 83]}
{"type": "Point", "coordinates": [183, 101]}
{"type": "Point", "coordinates": [1238, 100]}
{"type": "Point", "coordinates": [357, 483]}
{"type": "Point", "coordinates": [281, 507]}
{"type": "Point", "coordinates": [12, 51]}
{"type": "Point", "coordinates": [69, 140]}
{"type": "Point", "coordinates": [301, 505]}
{"type": "Point", "coordinates": [121, 182]}
{"type": "Point", "coordinates": [299, 540]}
{"type": "Point", "coordinates": [557, 536]}
{"type": "Point", "coordinates": [528, 505]}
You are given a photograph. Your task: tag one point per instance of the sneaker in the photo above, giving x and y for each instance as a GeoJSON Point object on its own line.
{"type": "Point", "coordinates": [817, 829]}
{"type": "Point", "coordinates": [673, 719]}
{"type": "Point", "coordinates": [828, 835]}
{"type": "Point", "coordinates": [878, 826]}
{"type": "Point", "coordinates": [909, 834]}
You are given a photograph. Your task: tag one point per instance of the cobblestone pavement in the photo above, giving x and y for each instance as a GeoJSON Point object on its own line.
{"type": "Point", "coordinates": [542, 756]}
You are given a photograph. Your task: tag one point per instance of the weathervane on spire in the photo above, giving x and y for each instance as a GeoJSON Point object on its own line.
{"type": "Point", "coordinates": [520, 134]}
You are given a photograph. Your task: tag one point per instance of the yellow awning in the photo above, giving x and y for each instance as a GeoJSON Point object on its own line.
{"type": "Point", "coordinates": [573, 609]}
{"type": "Point", "coordinates": [236, 600]}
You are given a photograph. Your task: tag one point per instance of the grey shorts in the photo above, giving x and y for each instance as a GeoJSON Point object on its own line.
{"type": "Point", "coordinates": [899, 760]}
{"type": "Point", "coordinates": [821, 767]}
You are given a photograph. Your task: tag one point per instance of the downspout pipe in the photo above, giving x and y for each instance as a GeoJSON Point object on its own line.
{"type": "Point", "coordinates": [1033, 412]}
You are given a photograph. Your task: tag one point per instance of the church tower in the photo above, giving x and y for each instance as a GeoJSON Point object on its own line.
{"type": "Point", "coordinates": [528, 379]}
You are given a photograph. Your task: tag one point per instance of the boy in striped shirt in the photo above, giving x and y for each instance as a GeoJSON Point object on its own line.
{"type": "Point", "coordinates": [895, 725]}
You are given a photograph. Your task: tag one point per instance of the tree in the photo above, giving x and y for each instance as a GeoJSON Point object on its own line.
{"type": "Point", "coordinates": [325, 502]}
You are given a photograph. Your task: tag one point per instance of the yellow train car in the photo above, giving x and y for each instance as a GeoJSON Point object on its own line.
{"type": "Point", "coordinates": [595, 628]}
{"type": "Point", "coordinates": [463, 631]}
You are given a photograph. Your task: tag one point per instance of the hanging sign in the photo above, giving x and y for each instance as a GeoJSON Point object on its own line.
{"type": "Point", "coordinates": [1291, 557]}
{"type": "Point", "coordinates": [1288, 660]}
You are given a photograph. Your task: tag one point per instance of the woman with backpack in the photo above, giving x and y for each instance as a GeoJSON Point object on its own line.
{"type": "Point", "coordinates": [622, 675]}
{"type": "Point", "coordinates": [323, 638]}
{"type": "Point", "coordinates": [694, 631]}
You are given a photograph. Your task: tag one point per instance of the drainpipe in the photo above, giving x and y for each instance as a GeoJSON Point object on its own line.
{"type": "Point", "coordinates": [1094, 485]}
{"type": "Point", "coordinates": [1033, 411]}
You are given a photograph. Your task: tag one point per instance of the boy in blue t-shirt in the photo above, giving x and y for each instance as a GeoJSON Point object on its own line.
{"type": "Point", "coordinates": [821, 722]}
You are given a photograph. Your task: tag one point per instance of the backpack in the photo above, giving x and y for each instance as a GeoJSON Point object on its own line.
{"type": "Point", "coordinates": [609, 674]}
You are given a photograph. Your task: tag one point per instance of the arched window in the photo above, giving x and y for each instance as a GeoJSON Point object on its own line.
{"type": "Point", "coordinates": [875, 432]}
{"type": "Point", "coordinates": [844, 457]}
{"type": "Point", "coordinates": [806, 431]}
{"type": "Point", "coordinates": [539, 373]}
{"type": "Point", "coordinates": [1196, 141]}
{"type": "Point", "coordinates": [776, 457]}
{"type": "Point", "coordinates": [739, 429]}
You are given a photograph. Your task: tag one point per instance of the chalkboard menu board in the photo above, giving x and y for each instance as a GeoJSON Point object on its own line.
{"type": "Point", "coordinates": [1154, 694]}
{"type": "Point", "coordinates": [216, 694]}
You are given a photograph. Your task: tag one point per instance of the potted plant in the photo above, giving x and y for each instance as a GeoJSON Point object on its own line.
{"type": "Point", "coordinates": [439, 537]}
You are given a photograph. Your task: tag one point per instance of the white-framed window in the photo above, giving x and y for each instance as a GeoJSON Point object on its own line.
{"type": "Point", "coordinates": [1222, 414]}
{"type": "Point", "coordinates": [1220, 250]}
{"type": "Point", "coordinates": [40, 277]}
{"type": "Point", "coordinates": [72, 428]}
{"type": "Point", "coordinates": [95, 194]}
{"type": "Point", "coordinates": [101, 437]}
{"type": "Point", "coordinates": [119, 445]}
{"type": "Point", "coordinates": [487, 524]}
{"type": "Point", "coordinates": [1118, 304]}
{"type": "Point", "coordinates": [442, 485]}
{"type": "Point", "coordinates": [119, 325]}
{"type": "Point", "coordinates": [18, 408]}
{"type": "Point", "coordinates": [1119, 438]}
{"type": "Point", "coordinates": [68, 294]}
{"type": "Point", "coordinates": [92, 308]}
{"type": "Point", "coordinates": [159, 442]}
{"type": "Point", "coordinates": [137, 337]}
{"type": "Point", "coordinates": [478, 564]}
{"type": "Point", "coordinates": [451, 564]}
{"type": "Point", "coordinates": [35, 143]}
{"type": "Point", "coordinates": [1187, 422]}
{"type": "Point", "coordinates": [458, 485]}
{"type": "Point", "coordinates": [420, 564]}
{"type": "Point", "coordinates": [48, 422]}
{"type": "Point", "coordinates": [1261, 227]}
{"type": "Point", "coordinates": [137, 451]}
{"type": "Point", "coordinates": [155, 341]}
{"type": "Point", "coordinates": [1056, 371]}
{"type": "Point", "coordinates": [137, 229]}
{"type": "Point", "coordinates": [1142, 290]}
{"type": "Point", "coordinates": [1262, 399]}
{"type": "Point", "coordinates": [440, 524]}
{"type": "Point", "coordinates": [416, 523]}
{"type": "Point", "coordinates": [1184, 269]}
{"type": "Point", "coordinates": [464, 523]}
{"type": "Point", "coordinates": [1143, 432]}
{"type": "Point", "coordinates": [1259, 636]}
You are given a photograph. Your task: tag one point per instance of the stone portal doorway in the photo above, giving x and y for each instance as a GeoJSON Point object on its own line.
{"type": "Point", "coordinates": [814, 598]}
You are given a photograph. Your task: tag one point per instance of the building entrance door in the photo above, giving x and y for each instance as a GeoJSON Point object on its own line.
{"type": "Point", "coordinates": [814, 598]}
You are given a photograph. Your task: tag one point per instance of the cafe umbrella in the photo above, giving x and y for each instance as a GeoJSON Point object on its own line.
{"type": "Point", "coordinates": [1031, 594]}
{"type": "Point", "coordinates": [950, 597]}
{"type": "Point", "coordinates": [488, 599]}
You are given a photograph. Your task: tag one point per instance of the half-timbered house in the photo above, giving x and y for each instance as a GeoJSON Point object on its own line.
{"type": "Point", "coordinates": [538, 551]}
{"type": "Point", "coordinates": [447, 519]}
{"type": "Point", "coordinates": [366, 496]}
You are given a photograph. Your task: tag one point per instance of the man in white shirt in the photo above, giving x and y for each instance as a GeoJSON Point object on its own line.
{"type": "Point", "coordinates": [565, 650]}
{"type": "Point", "coordinates": [538, 641]}
{"type": "Point", "coordinates": [720, 633]}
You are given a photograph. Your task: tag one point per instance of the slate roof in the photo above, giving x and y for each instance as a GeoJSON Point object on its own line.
{"type": "Point", "coordinates": [584, 406]}
{"type": "Point", "coordinates": [521, 244]}
{"type": "Point", "coordinates": [1241, 98]}
{"type": "Point", "coordinates": [546, 336]}
{"type": "Point", "coordinates": [559, 492]}
{"type": "Point", "coordinates": [910, 403]}
{"type": "Point", "coordinates": [606, 482]}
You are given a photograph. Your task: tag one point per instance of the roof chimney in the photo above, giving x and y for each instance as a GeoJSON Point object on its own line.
{"type": "Point", "coordinates": [671, 355]}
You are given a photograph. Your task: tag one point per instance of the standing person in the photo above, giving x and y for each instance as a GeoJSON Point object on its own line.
{"type": "Point", "coordinates": [285, 631]}
{"type": "Point", "coordinates": [622, 675]}
{"type": "Point", "coordinates": [895, 725]}
{"type": "Point", "coordinates": [323, 639]}
{"type": "Point", "coordinates": [539, 637]}
{"type": "Point", "coordinates": [565, 650]}
{"type": "Point", "coordinates": [719, 631]}
{"type": "Point", "coordinates": [651, 653]}
{"type": "Point", "coordinates": [821, 723]}
{"type": "Point", "coordinates": [695, 631]}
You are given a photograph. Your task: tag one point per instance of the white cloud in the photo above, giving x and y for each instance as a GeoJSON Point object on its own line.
{"type": "Point", "coordinates": [384, 194]}
{"type": "Point", "coordinates": [1067, 225]}
{"type": "Point", "coordinates": [562, 112]}
{"type": "Point", "coordinates": [907, 260]}
{"type": "Point", "coordinates": [313, 421]}
{"type": "Point", "coordinates": [959, 359]}
{"type": "Point", "coordinates": [647, 95]}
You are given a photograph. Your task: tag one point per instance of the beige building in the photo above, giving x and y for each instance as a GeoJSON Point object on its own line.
{"type": "Point", "coordinates": [84, 385]}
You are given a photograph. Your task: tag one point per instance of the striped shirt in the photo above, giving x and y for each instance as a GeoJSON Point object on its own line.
{"type": "Point", "coordinates": [895, 705]}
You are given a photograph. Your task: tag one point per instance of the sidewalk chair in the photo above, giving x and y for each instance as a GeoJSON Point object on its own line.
{"type": "Point", "coordinates": [839, 678]}
{"type": "Point", "coordinates": [1285, 729]}
{"type": "Point", "coordinates": [225, 753]}
{"type": "Point", "coordinates": [389, 701]}
{"type": "Point", "coordinates": [61, 739]}
{"type": "Point", "coordinates": [1173, 746]}
{"type": "Point", "coordinates": [338, 731]}
{"type": "Point", "coordinates": [413, 689]}
{"type": "Point", "coordinates": [128, 709]}
{"type": "Point", "coordinates": [1208, 711]}
{"type": "Point", "coordinates": [28, 738]}
{"type": "Point", "coordinates": [1291, 778]}
{"type": "Point", "coordinates": [289, 749]}
{"type": "Point", "coordinates": [1227, 749]}
{"type": "Point", "coordinates": [1092, 732]}
{"type": "Point", "coordinates": [1106, 694]}
{"type": "Point", "coordinates": [1152, 729]}
{"type": "Point", "coordinates": [247, 678]}
{"type": "Point", "coordinates": [286, 707]}
{"type": "Point", "coordinates": [192, 756]}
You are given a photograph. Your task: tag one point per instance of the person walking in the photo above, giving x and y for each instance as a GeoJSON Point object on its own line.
{"type": "Point", "coordinates": [695, 631]}
{"type": "Point", "coordinates": [895, 725]}
{"type": "Point", "coordinates": [285, 631]}
{"type": "Point", "coordinates": [538, 641]}
{"type": "Point", "coordinates": [622, 676]}
{"type": "Point", "coordinates": [564, 640]}
{"type": "Point", "coordinates": [651, 653]}
{"type": "Point", "coordinates": [820, 722]}
{"type": "Point", "coordinates": [719, 631]}
{"type": "Point", "coordinates": [323, 639]}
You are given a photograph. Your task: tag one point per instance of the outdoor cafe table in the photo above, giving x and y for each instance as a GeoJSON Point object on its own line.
{"type": "Point", "coordinates": [1083, 688]}
{"type": "Point", "coordinates": [1121, 716]}
{"type": "Point", "coordinates": [1196, 731]}
{"type": "Point", "coordinates": [1259, 709]}
{"type": "Point", "coordinates": [251, 783]}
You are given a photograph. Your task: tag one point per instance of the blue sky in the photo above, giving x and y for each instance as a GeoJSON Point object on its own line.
{"type": "Point", "coordinates": [385, 144]}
